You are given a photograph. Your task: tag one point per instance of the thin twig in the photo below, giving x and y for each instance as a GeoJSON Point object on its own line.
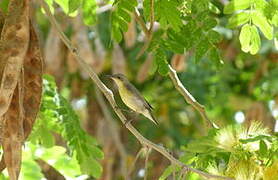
{"type": "Point", "coordinates": [113, 129]}
{"type": "Point", "coordinates": [140, 20]}
{"type": "Point", "coordinates": [151, 16]}
{"type": "Point", "coordinates": [183, 173]}
{"type": "Point", "coordinates": [148, 32]}
{"type": "Point", "coordinates": [110, 97]}
{"type": "Point", "coordinates": [148, 150]}
{"type": "Point", "coordinates": [135, 160]}
{"type": "Point", "coordinates": [188, 97]}
{"type": "Point", "coordinates": [104, 8]}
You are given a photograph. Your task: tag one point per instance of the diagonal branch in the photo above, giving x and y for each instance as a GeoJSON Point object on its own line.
{"type": "Point", "coordinates": [151, 16]}
{"type": "Point", "coordinates": [110, 97]}
{"type": "Point", "coordinates": [140, 20]}
{"type": "Point", "coordinates": [147, 32]}
{"type": "Point", "coordinates": [188, 97]}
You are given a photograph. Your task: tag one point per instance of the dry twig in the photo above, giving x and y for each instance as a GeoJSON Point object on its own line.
{"type": "Point", "coordinates": [135, 160]}
{"type": "Point", "coordinates": [148, 151]}
{"type": "Point", "coordinates": [148, 32]}
{"type": "Point", "coordinates": [110, 97]}
{"type": "Point", "coordinates": [188, 97]}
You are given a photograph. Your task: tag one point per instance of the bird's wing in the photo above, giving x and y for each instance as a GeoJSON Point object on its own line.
{"type": "Point", "coordinates": [135, 90]}
{"type": "Point", "coordinates": [148, 104]}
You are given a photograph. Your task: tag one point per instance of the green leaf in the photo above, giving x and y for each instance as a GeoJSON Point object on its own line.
{"type": "Point", "coordinates": [260, 5]}
{"type": "Point", "coordinates": [127, 5]}
{"type": "Point", "coordinates": [260, 21]}
{"type": "Point", "coordinates": [50, 5]}
{"type": "Point", "coordinates": [74, 5]}
{"type": "Point", "coordinates": [121, 17]}
{"type": "Point", "coordinates": [214, 37]}
{"type": "Point", "coordinates": [201, 49]}
{"type": "Point", "coordinates": [124, 14]}
{"type": "Point", "coordinates": [89, 8]}
{"type": "Point", "coordinates": [168, 171]}
{"type": "Point", "coordinates": [255, 40]}
{"type": "Point", "coordinates": [64, 5]}
{"type": "Point", "coordinates": [46, 137]}
{"type": "Point", "coordinates": [122, 23]}
{"type": "Point", "coordinates": [116, 34]}
{"type": "Point", "coordinates": [30, 169]}
{"type": "Point", "coordinates": [215, 57]}
{"type": "Point", "coordinates": [96, 152]}
{"type": "Point", "coordinates": [5, 3]}
{"type": "Point", "coordinates": [263, 148]}
{"type": "Point", "coordinates": [235, 5]}
{"type": "Point", "coordinates": [169, 17]}
{"type": "Point", "coordinates": [154, 68]}
{"type": "Point", "coordinates": [274, 20]}
{"type": "Point", "coordinates": [214, 8]}
{"type": "Point", "coordinates": [146, 9]}
{"type": "Point", "coordinates": [209, 23]}
{"type": "Point", "coordinates": [245, 37]}
{"type": "Point", "coordinates": [161, 60]}
{"type": "Point", "coordinates": [239, 19]}
{"type": "Point", "coordinates": [199, 6]}
{"type": "Point", "coordinates": [63, 120]}
{"type": "Point", "coordinates": [91, 167]}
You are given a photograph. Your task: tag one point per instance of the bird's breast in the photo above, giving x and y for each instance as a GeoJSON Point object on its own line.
{"type": "Point", "coordinates": [131, 100]}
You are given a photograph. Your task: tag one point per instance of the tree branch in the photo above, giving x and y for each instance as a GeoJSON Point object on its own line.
{"type": "Point", "coordinates": [188, 97]}
{"type": "Point", "coordinates": [173, 75]}
{"type": "Point", "coordinates": [140, 21]}
{"type": "Point", "coordinates": [104, 8]}
{"type": "Point", "coordinates": [135, 160]}
{"type": "Point", "coordinates": [148, 150]}
{"type": "Point", "coordinates": [147, 32]}
{"type": "Point", "coordinates": [151, 16]}
{"type": "Point", "coordinates": [110, 97]}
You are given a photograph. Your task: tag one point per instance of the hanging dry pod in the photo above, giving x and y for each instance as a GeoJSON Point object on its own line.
{"type": "Point", "coordinates": [118, 60]}
{"type": "Point", "coordinates": [178, 62]}
{"type": "Point", "coordinates": [81, 41]}
{"type": "Point", "coordinates": [54, 54]}
{"type": "Point", "coordinates": [144, 69]}
{"type": "Point", "coordinates": [100, 53]}
{"type": "Point", "coordinates": [131, 34]}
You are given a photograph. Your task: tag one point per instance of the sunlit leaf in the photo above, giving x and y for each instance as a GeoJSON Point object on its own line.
{"type": "Point", "coordinates": [245, 37]}
{"type": "Point", "coordinates": [74, 5]}
{"type": "Point", "coordinates": [260, 20]}
{"type": "Point", "coordinates": [168, 171]}
{"type": "Point", "coordinates": [255, 40]}
{"type": "Point", "coordinates": [167, 17]}
{"type": "Point", "coordinates": [89, 8]}
{"type": "Point", "coordinates": [235, 5]}
{"type": "Point", "coordinates": [263, 148]}
{"type": "Point", "coordinates": [214, 8]}
{"type": "Point", "coordinates": [239, 19]}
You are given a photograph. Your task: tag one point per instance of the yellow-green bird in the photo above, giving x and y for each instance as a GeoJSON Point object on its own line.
{"type": "Point", "coordinates": [132, 97]}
